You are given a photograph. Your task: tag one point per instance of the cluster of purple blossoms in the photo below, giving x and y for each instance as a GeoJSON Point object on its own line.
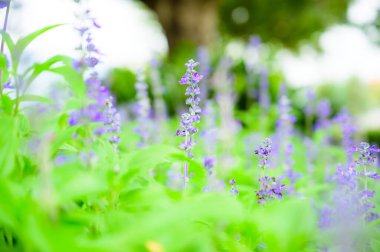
{"type": "Point", "coordinates": [323, 114]}
{"type": "Point", "coordinates": [4, 3]}
{"type": "Point", "coordinates": [187, 126]}
{"type": "Point", "coordinates": [345, 121]}
{"type": "Point", "coordinates": [270, 187]}
{"type": "Point", "coordinates": [142, 109]}
{"type": "Point", "coordinates": [282, 147]}
{"type": "Point", "coordinates": [234, 188]}
{"type": "Point", "coordinates": [350, 199]}
{"type": "Point", "coordinates": [101, 109]}
{"type": "Point", "coordinates": [264, 99]}
{"type": "Point", "coordinates": [264, 152]}
{"type": "Point", "coordinates": [189, 119]}
{"type": "Point", "coordinates": [367, 155]}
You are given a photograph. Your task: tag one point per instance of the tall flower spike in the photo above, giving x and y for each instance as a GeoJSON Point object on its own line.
{"type": "Point", "coordinates": [187, 127]}
{"type": "Point", "coordinates": [142, 110]}
{"type": "Point", "coordinates": [345, 121]}
{"type": "Point", "coordinates": [270, 187]}
{"type": "Point", "coordinates": [101, 110]}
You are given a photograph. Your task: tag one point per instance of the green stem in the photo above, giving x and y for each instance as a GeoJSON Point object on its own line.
{"type": "Point", "coordinates": [2, 45]}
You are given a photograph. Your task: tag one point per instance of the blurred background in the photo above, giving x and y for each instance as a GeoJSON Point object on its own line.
{"type": "Point", "coordinates": [329, 47]}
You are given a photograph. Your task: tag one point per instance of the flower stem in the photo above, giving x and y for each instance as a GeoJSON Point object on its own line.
{"type": "Point", "coordinates": [2, 45]}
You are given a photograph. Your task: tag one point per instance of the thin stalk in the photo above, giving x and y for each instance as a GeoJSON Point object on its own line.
{"type": "Point", "coordinates": [185, 168]}
{"type": "Point", "coordinates": [2, 44]}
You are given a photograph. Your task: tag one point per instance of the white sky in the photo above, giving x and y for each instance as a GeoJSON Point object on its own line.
{"type": "Point", "coordinates": [130, 37]}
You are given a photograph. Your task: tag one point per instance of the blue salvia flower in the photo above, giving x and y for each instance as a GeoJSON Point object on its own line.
{"type": "Point", "coordinates": [142, 110]}
{"type": "Point", "coordinates": [234, 188]}
{"type": "Point", "coordinates": [264, 151]}
{"type": "Point", "coordinates": [309, 106]}
{"type": "Point", "coordinates": [192, 117]}
{"type": "Point", "coordinates": [352, 203]}
{"type": "Point", "coordinates": [160, 111]}
{"type": "Point", "coordinates": [205, 69]}
{"type": "Point", "coordinates": [264, 88]}
{"type": "Point", "coordinates": [101, 109]}
{"type": "Point", "coordinates": [225, 98]}
{"type": "Point", "coordinates": [252, 60]}
{"type": "Point", "coordinates": [345, 121]}
{"type": "Point", "coordinates": [282, 148]}
{"type": "Point", "coordinates": [4, 3]}
{"type": "Point", "coordinates": [323, 113]}
{"type": "Point", "coordinates": [270, 187]}
{"type": "Point", "coordinates": [209, 137]}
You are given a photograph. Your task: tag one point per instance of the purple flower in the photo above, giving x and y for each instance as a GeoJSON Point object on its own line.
{"type": "Point", "coordinates": [91, 62]}
{"type": "Point", "coordinates": [326, 218]}
{"type": "Point", "coordinates": [263, 94]}
{"type": "Point", "coordinates": [4, 3]}
{"type": "Point", "coordinates": [234, 188]}
{"type": "Point", "coordinates": [367, 154]}
{"type": "Point", "coordinates": [270, 188]}
{"type": "Point", "coordinates": [101, 108]}
{"type": "Point", "coordinates": [264, 152]}
{"type": "Point", "coordinates": [345, 121]}
{"type": "Point", "coordinates": [8, 85]}
{"type": "Point", "coordinates": [187, 125]}
{"type": "Point", "coordinates": [323, 113]}
{"type": "Point", "coordinates": [208, 164]}
{"type": "Point", "coordinates": [142, 110]}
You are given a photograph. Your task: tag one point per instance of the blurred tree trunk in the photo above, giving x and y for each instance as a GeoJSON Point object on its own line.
{"type": "Point", "coordinates": [187, 20]}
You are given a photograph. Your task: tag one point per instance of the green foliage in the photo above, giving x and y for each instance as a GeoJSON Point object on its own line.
{"type": "Point", "coordinates": [289, 22]}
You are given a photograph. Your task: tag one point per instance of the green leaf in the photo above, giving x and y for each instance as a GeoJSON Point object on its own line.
{"type": "Point", "coordinates": [34, 98]}
{"type": "Point", "coordinates": [6, 104]}
{"type": "Point", "coordinates": [62, 137]}
{"type": "Point", "coordinates": [8, 143]}
{"type": "Point", "coordinates": [39, 68]}
{"type": "Point", "coordinates": [73, 184]}
{"type": "Point", "coordinates": [73, 78]}
{"type": "Point", "coordinates": [22, 43]}
{"type": "Point", "coordinates": [3, 69]}
{"type": "Point", "coordinates": [8, 40]}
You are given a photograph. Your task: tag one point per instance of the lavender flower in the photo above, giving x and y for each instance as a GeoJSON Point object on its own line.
{"type": "Point", "coordinates": [323, 113]}
{"type": "Point", "coordinates": [270, 187]}
{"type": "Point", "coordinates": [264, 152]}
{"type": "Point", "coordinates": [4, 3]}
{"type": "Point", "coordinates": [263, 94]}
{"type": "Point", "coordinates": [345, 121]}
{"type": "Point", "coordinates": [101, 109]}
{"type": "Point", "coordinates": [367, 154]}
{"type": "Point", "coordinates": [142, 111]}
{"type": "Point", "coordinates": [225, 98]}
{"type": "Point", "coordinates": [234, 188]}
{"type": "Point", "coordinates": [189, 119]}
{"type": "Point", "coordinates": [282, 147]}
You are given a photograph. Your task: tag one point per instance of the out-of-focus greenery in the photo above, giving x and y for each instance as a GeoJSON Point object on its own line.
{"type": "Point", "coordinates": [288, 22]}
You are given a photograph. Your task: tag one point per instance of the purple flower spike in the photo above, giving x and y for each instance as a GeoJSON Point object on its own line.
{"type": "Point", "coordinates": [270, 187]}
{"type": "Point", "coordinates": [101, 108]}
{"type": "Point", "coordinates": [234, 188]}
{"type": "Point", "coordinates": [264, 152]}
{"type": "Point", "coordinates": [187, 127]}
